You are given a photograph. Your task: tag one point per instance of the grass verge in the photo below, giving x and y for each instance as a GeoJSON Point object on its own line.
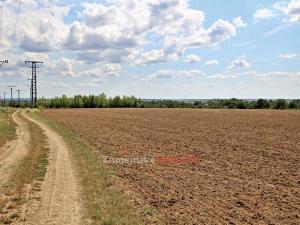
{"type": "Point", "coordinates": [101, 203]}
{"type": "Point", "coordinates": [7, 126]}
{"type": "Point", "coordinates": [29, 169]}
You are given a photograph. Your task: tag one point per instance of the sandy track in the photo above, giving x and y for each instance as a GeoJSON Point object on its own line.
{"type": "Point", "coordinates": [59, 198]}
{"type": "Point", "coordinates": [14, 150]}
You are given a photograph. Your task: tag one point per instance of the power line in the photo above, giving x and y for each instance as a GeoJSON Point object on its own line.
{"type": "Point", "coordinates": [15, 28]}
{"type": "Point", "coordinates": [1, 22]}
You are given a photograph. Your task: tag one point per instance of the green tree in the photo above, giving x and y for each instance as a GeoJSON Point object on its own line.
{"type": "Point", "coordinates": [280, 104]}
{"type": "Point", "coordinates": [262, 104]}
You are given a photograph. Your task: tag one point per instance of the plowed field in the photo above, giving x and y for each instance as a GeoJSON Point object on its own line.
{"type": "Point", "coordinates": [247, 169]}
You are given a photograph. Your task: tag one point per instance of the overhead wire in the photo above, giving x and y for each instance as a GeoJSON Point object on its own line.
{"type": "Point", "coordinates": [1, 27]}
{"type": "Point", "coordinates": [15, 28]}
{"type": "Point", "coordinates": [1, 22]}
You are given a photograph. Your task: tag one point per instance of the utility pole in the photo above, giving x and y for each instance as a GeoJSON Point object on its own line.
{"type": "Point", "coordinates": [34, 67]}
{"type": "Point", "coordinates": [4, 97]}
{"type": "Point", "coordinates": [11, 94]}
{"type": "Point", "coordinates": [19, 95]}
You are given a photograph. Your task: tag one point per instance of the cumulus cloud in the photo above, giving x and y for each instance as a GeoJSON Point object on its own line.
{"type": "Point", "coordinates": [155, 56]}
{"type": "Point", "coordinates": [289, 8]}
{"type": "Point", "coordinates": [41, 26]}
{"type": "Point", "coordinates": [108, 34]}
{"type": "Point", "coordinates": [238, 22]}
{"type": "Point", "coordinates": [75, 68]}
{"type": "Point", "coordinates": [240, 63]}
{"type": "Point", "coordinates": [126, 26]}
{"type": "Point", "coordinates": [222, 77]}
{"type": "Point", "coordinates": [192, 59]}
{"type": "Point", "coordinates": [287, 56]}
{"type": "Point", "coordinates": [212, 62]}
{"type": "Point", "coordinates": [264, 14]}
{"type": "Point", "coordinates": [104, 72]}
{"type": "Point", "coordinates": [221, 30]}
{"type": "Point", "coordinates": [292, 10]}
{"type": "Point", "coordinates": [169, 74]}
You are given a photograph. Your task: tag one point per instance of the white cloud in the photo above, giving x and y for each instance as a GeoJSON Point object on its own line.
{"type": "Point", "coordinates": [169, 74]}
{"type": "Point", "coordinates": [264, 14]}
{"type": "Point", "coordinates": [288, 56]}
{"type": "Point", "coordinates": [240, 63]}
{"type": "Point", "coordinates": [107, 35]}
{"type": "Point", "coordinates": [272, 76]}
{"type": "Point", "coordinates": [161, 74]}
{"type": "Point", "coordinates": [190, 73]}
{"type": "Point", "coordinates": [107, 70]}
{"type": "Point", "coordinates": [155, 56]}
{"type": "Point", "coordinates": [221, 30]}
{"type": "Point", "coordinates": [212, 62]}
{"type": "Point", "coordinates": [222, 77]}
{"type": "Point", "coordinates": [292, 10]}
{"type": "Point", "coordinates": [121, 26]}
{"type": "Point", "coordinates": [75, 68]}
{"type": "Point", "coordinates": [41, 26]}
{"type": "Point", "coordinates": [192, 59]}
{"type": "Point", "coordinates": [238, 22]}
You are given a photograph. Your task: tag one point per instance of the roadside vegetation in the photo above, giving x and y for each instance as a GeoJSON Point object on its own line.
{"type": "Point", "coordinates": [29, 171]}
{"type": "Point", "coordinates": [102, 204]}
{"type": "Point", "coordinates": [7, 126]}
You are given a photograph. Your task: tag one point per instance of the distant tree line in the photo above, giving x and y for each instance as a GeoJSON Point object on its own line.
{"type": "Point", "coordinates": [242, 104]}
{"type": "Point", "coordinates": [102, 101]}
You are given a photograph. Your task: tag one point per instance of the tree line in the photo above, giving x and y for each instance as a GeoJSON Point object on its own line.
{"type": "Point", "coordinates": [102, 101]}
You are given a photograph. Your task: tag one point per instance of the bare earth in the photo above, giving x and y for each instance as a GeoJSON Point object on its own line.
{"type": "Point", "coordinates": [57, 202]}
{"type": "Point", "coordinates": [14, 150]}
{"type": "Point", "coordinates": [59, 197]}
{"type": "Point", "coordinates": [248, 172]}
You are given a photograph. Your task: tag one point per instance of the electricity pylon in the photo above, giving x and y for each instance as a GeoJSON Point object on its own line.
{"type": "Point", "coordinates": [34, 66]}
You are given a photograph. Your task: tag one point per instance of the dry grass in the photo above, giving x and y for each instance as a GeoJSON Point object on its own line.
{"type": "Point", "coordinates": [31, 168]}
{"type": "Point", "coordinates": [7, 126]}
{"type": "Point", "coordinates": [101, 203]}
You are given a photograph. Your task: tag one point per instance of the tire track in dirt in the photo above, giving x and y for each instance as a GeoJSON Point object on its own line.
{"type": "Point", "coordinates": [15, 149]}
{"type": "Point", "coordinates": [59, 197]}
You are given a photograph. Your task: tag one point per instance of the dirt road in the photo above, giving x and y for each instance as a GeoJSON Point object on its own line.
{"type": "Point", "coordinates": [56, 202]}
{"type": "Point", "coordinates": [14, 150]}
{"type": "Point", "coordinates": [59, 197]}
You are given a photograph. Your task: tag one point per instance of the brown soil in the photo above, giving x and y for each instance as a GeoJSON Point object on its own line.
{"type": "Point", "coordinates": [247, 172]}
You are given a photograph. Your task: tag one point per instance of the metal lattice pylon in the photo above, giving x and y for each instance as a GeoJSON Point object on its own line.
{"type": "Point", "coordinates": [34, 67]}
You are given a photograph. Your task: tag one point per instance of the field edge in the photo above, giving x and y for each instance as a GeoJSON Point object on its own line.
{"type": "Point", "coordinates": [102, 204]}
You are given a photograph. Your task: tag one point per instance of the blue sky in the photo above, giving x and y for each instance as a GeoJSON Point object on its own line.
{"type": "Point", "coordinates": [155, 49]}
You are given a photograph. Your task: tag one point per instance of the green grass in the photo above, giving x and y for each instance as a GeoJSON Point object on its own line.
{"type": "Point", "coordinates": [102, 204]}
{"type": "Point", "coordinates": [7, 126]}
